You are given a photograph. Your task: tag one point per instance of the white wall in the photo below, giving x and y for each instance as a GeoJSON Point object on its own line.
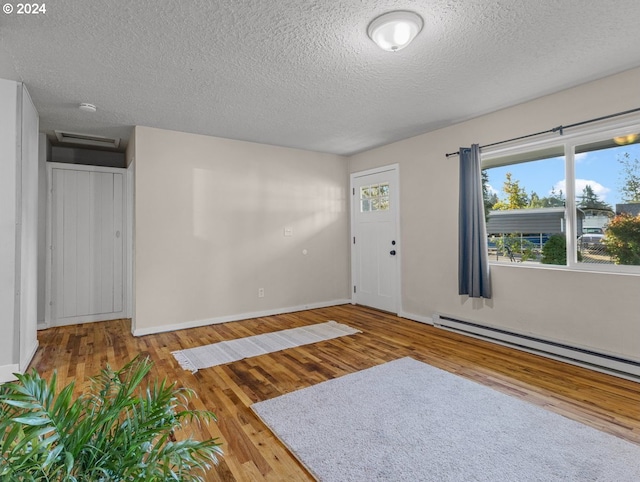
{"type": "Point", "coordinates": [8, 210]}
{"type": "Point", "coordinates": [210, 215]}
{"type": "Point", "coordinates": [600, 311]}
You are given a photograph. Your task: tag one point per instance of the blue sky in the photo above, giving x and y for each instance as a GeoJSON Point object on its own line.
{"type": "Point", "coordinates": [600, 169]}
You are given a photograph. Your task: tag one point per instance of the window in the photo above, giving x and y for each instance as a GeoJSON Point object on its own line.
{"type": "Point", "coordinates": [374, 197]}
{"type": "Point", "coordinates": [524, 204]}
{"type": "Point", "coordinates": [573, 201]}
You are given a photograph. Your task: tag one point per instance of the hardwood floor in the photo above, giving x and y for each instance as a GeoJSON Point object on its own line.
{"type": "Point", "coordinates": [252, 453]}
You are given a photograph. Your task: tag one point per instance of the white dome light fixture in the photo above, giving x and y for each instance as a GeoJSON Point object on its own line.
{"type": "Point", "coordinates": [85, 107]}
{"type": "Point", "coordinates": [393, 31]}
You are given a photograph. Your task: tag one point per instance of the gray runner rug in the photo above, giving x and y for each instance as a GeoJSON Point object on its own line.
{"type": "Point", "coordinates": [223, 352]}
{"type": "Point", "coordinates": [408, 421]}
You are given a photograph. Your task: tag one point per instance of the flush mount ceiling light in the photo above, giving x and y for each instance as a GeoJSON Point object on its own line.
{"type": "Point", "coordinates": [393, 31]}
{"type": "Point", "coordinates": [84, 107]}
{"type": "Point", "coordinates": [624, 140]}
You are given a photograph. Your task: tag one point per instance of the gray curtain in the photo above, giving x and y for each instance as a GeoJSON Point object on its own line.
{"type": "Point", "coordinates": [473, 265]}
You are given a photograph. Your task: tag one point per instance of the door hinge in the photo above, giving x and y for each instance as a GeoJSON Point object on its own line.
{"type": "Point", "coordinates": [353, 191]}
{"type": "Point", "coordinates": [354, 240]}
{"type": "Point", "coordinates": [354, 288]}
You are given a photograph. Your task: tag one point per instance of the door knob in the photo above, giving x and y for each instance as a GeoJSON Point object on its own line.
{"type": "Point", "coordinates": [392, 252]}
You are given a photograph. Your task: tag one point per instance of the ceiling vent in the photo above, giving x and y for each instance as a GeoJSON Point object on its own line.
{"type": "Point", "coordinates": [87, 140]}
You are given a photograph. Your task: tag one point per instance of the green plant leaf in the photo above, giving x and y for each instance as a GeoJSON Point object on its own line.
{"type": "Point", "coordinates": [68, 462]}
{"type": "Point", "coordinates": [22, 404]}
{"type": "Point", "coordinates": [51, 458]}
{"type": "Point", "coordinates": [32, 420]}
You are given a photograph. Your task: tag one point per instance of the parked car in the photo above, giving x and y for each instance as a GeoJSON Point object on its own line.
{"type": "Point", "coordinates": [592, 238]}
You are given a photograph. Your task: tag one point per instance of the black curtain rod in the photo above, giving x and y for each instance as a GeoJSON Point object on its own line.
{"type": "Point", "coordinates": [559, 129]}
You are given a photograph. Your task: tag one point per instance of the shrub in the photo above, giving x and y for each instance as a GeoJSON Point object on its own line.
{"type": "Point", "coordinates": [115, 432]}
{"type": "Point", "coordinates": [622, 239]}
{"type": "Point", "coordinates": [517, 246]}
{"type": "Point", "coordinates": [554, 250]}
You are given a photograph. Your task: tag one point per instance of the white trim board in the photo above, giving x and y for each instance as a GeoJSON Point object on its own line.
{"type": "Point", "coordinates": [427, 320]}
{"type": "Point", "coordinates": [7, 373]}
{"type": "Point", "coordinates": [26, 358]}
{"type": "Point", "coordinates": [238, 317]}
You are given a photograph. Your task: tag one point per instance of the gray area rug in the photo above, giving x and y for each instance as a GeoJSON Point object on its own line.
{"type": "Point", "coordinates": [223, 352]}
{"type": "Point", "coordinates": [408, 421]}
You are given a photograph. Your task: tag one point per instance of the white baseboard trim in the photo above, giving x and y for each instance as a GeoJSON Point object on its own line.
{"type": "Point", "coordinates": [241, 316]}
{"type": "Point", "coordinates": [427, 320]}
{"type": "Point", "coordinates": [7, 373]}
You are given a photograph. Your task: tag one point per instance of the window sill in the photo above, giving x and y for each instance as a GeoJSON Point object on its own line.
{"type": "Point", "coordinates": [623, 271]}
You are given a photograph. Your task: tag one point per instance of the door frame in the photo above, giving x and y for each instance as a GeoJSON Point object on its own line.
{"type": "Point", "coordinates": [395, 199]}
{"type": "Point", "coordinates": [126, 248]}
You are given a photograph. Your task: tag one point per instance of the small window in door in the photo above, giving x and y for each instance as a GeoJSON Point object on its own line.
{"type": "Point", "coordinates": [374, 197]}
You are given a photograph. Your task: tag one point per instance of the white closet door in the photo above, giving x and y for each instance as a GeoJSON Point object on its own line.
{"type": "Point", "coordinates": [87, 268]}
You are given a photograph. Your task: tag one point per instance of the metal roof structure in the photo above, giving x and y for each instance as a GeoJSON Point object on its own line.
{"type": "Point", "coordinates": [530, 221]}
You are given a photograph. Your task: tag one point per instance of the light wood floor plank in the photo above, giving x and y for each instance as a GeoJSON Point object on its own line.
{"type": "Point", "coordinates": [252, 452]}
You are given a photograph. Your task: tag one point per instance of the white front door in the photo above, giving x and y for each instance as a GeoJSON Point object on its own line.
{"type": "Point", "coordinates": [86, 277]}
{"type": "Point", "coordinates": [375, 240]}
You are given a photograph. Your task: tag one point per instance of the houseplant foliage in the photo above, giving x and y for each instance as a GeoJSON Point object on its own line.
{"type": "Point", "coordinates": [117, 431]}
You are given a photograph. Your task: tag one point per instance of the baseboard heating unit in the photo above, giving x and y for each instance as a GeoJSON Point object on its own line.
{"type": "Point", "coordinates": [584, 357]}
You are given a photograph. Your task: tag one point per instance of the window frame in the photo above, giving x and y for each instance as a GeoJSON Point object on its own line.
{"type": "Point", "coordinates": [568, 141]}
{"type": "Point", "coordinates": [377, 198]}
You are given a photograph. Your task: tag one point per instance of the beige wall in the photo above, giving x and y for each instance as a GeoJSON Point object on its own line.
{"type": "Point", "coordinates": [601, 311]}
{"type": "Point", "coordinates": [210, 215]}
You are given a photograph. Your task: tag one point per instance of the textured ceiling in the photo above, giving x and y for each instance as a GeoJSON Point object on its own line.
{"type": "Point", "coordinates": [303, 73]}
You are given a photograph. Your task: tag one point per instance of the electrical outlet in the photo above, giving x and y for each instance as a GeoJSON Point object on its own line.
{"type": "Point", "coordinates": [260, 292]}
